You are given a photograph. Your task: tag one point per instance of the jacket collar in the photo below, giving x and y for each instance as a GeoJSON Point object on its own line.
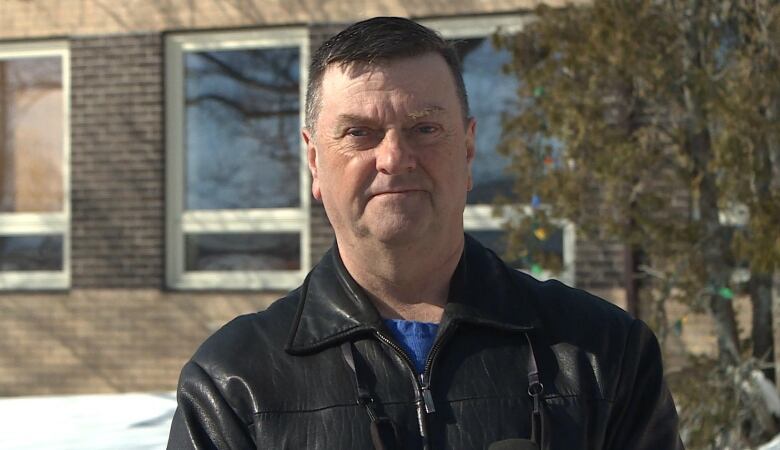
{"type": "Point", "coordinates": [483, 291]}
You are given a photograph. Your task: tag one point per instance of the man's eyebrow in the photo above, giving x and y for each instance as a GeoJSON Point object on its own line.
{"type": "Point", "coordinates": [427, 111]}
{"type": "Point", "coordinates": [348, 119]}
{"type": "Point", "coordinates": [342, 118]}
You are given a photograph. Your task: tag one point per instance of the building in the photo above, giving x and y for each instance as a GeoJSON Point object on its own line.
{"type": "Point", "coordinates": [152, 180]}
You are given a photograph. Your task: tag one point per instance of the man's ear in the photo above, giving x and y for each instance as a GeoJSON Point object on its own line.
{"type": "Point", "coordinates": [311, 158]}
{"type": "Point", "coordinates": [471, 135]}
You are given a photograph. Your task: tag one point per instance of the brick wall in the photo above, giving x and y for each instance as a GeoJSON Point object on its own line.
{"type": "Point", "coordinates": [598, 264]}
{"type": "Point", "coordinates": [107, 340]}
{"type": "Point", "coordinates": [322, 236]}
{"type": "Point", "coordinates": [117, 161]}
{"type": "Point", "coordinates": [37, 18]}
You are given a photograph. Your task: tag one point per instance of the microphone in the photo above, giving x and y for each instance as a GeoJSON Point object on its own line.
{"type": "Point", "coordinates": [514, 444]}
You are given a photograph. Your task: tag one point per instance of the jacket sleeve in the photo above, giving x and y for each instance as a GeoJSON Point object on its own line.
{"type": "Point", "coordinates": [643, 415]}
{"type": "Point", "coordinates": [203, 418]}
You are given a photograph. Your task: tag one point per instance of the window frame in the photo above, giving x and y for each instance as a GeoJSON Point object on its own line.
{"type": "Point", "coordinates": [44, 223]}
{"type": "Point", "coordinates": [251, 220]}
{"type": "Point", "coordinates": [484, 216]}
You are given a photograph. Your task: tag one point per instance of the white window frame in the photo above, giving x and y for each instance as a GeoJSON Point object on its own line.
{"type": "Point", "coordinates": [179, 221]}
{"type": "Point", "coordinates": [482, 217]}
{"type": "Point", "coordinates": [49, 223]}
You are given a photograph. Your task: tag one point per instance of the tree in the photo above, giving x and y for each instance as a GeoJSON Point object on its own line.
{"type": "Point", "coordinates": [649, 121]}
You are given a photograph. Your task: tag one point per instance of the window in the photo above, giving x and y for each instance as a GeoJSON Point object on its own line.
{"type": "Point", "coordinates": [492, 94]}
{"type": "Point", "coordinates": [34, 155]}
{"type": "Point", "coordinates": [237, 179]}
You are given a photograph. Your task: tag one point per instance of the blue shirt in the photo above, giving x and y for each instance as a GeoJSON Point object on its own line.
{"type": "Point", "coordinates": [416, 338]}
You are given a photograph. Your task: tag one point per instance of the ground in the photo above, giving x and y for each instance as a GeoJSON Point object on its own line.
{"type": "Point", "coordinates": [87, 422]}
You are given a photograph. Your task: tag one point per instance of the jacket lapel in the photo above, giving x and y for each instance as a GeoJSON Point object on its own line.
{"type": "Point", "coordinates": [483, 291]}
{"type": "Point", "coordinates": [332, 308]}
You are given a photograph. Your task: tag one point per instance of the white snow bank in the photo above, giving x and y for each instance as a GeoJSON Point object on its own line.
{"type": "Point", "coordinates": [774, 444]}
{"type": "Point", "coordinates": [86, 422]}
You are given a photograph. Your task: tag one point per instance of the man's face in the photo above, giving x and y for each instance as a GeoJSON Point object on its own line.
{"type": "Point", "coordinates": [390, 155]}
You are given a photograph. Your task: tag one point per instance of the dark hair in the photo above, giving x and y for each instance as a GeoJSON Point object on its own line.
{"type": "Point", "coordinates": [378, 40]}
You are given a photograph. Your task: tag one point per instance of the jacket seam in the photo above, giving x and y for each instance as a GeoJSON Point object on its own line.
{"type": "Point", "coordinates": [301, 411]}
{"type": "Point", "coordinates": [458, 400]}
{"type": "Point", "coordinates": [326, 341]}
{"type": "Point", "coordinates": [626, 343]}
{"type": "Point", "coordinates": [247, 423]}
{"type": "Point", "coordinates": [545, 397]}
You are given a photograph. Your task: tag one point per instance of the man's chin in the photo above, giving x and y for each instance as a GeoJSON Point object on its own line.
{"type": "Point", "coordinates": [399, 233]}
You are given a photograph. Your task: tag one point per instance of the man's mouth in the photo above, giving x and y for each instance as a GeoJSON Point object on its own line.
{"type": "Point", "coordinates": [397, 192]}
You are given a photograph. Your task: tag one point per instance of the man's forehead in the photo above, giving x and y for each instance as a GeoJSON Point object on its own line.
{"type": "Point", "coordinates": [425, 112]}
{"type": "Point", "coordinates": [415, 114]}
{"type": "Point", "coordinates": [377, 68]}
{"type": "Point", "coordinates": [413, 88]}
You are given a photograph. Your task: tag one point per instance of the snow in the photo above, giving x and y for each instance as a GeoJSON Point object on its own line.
{"type": "Point", "coordinates": [768, 392]}
{"type": "Point", "coordinates": [774, 444]}
{"type": "Point", "coordinates": [137, 421]}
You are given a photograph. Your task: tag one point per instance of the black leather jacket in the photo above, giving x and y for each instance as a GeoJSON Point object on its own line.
{"type": "Point", "coordinates": [279, 379]}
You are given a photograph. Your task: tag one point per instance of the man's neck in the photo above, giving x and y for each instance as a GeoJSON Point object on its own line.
{"type": "Point", "coordinates": [410, 282]}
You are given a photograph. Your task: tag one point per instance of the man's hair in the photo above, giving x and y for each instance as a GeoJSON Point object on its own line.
{"type": "Point", "coordinates": [376, 41]}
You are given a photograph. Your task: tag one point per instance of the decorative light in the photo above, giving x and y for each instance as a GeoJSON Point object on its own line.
{"type": "Point", "coordinates": [678, 325]}
{"type": "Point", "coordinates": [535, 201]}
{"type": "Point", "coordinates": [540, 233]}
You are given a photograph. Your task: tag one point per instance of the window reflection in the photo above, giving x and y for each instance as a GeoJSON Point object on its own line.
{"type": "Point", "coordinates": [30, 253]}
{"type": "Point", "coordinates": [545, 250]}
{"type": "Point", "coordinates": [241, 129]}
{"type": "Point", "coordinates": [492, 94]}
{"type": "Point", "coordinates": [31, 135]}
{"type": "Point", "coordinates": [242, 251]}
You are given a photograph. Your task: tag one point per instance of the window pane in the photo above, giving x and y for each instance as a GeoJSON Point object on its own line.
{"type": "Point", "coordinates": [31, 121]}
{"type": "Point", "coordinates": [536, 250]}
{"type": "Point", "coordinates": [243, 251]}
{"type": "Point", "coordinates": [492, 93]}
{"type": "Point", "coordinates": [34, 252]}
{"type": "Point", "coordinates": [242, 129]}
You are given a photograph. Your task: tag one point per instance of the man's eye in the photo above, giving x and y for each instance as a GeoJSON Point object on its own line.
{"type": "Point", "coordinates": [426, 129]}
{"type": "Point", "coordinates": [357, 132]}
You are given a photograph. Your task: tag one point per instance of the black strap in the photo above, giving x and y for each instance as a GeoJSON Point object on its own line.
{"type": "Point", "coordinates": [383, 432]}
{"type": "Point", "coordinates": [535, 391]}
{"type": "Point", "coordinates": [364, 396]}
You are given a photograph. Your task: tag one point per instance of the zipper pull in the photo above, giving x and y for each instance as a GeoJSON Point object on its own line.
{"type": "Point", "coordinates": [426, 394]}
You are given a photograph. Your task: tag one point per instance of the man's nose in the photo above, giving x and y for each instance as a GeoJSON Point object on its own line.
{"type": "Point", "coordinates": [394, 155]}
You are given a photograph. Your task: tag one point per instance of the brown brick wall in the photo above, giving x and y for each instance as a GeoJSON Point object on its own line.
{"type": "Point", "coordinates": [39, 18]}
{"type": "Point", "coordinates": [322, 236]}
{"type": "Point", "coordinates": [117, 161]}
{"type": "Point", "coordinates": [107, 340]}
{"type": "Point", "coordinates": [697, 335]}
{"type": "Point", "coordinates": [598, 264]}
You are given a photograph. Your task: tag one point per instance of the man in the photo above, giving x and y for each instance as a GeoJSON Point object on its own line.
{"type": "Point", "coordinates": [407, 334]}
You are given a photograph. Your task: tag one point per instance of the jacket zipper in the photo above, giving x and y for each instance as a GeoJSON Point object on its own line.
{"type": "Point", "coordinates": [422, 395]}
{"type": "Point", "coordinates": [425, 377]}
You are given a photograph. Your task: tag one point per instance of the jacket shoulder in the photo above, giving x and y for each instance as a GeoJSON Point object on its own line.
{"type": "Point", "coordinates": [568, 305]}
{"type": "Point", "coordinates": [248, 338]}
